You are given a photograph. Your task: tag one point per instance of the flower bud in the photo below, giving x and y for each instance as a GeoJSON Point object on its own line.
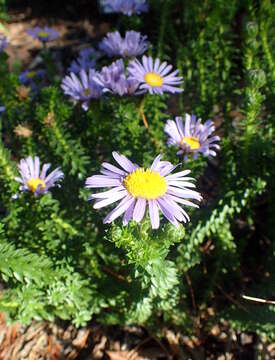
{"type": "Point", "coordinates": [257, 77]}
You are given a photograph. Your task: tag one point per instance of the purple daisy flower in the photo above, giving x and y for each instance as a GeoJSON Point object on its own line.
{"type": "Point", "coordinates": [82, 88]}
{"type": "Point", "coordinates": [135, 187]}
{"type": "Point", "coordinates": [153, 76]}
{"type": "Point", "coordinates": [192, 136]}
{"type": "Point", "coordinates": [134, 44]}
{"type": "Point", "coordinates": [29, 76]}
{"type": "Point", "coordinates": [126, 7]}
{"type": "Point", "coordinates": [35, 181]}
{"type": "Point", "coordinates": [3, 43]}
{"type": "Point", "coordinates": [44, 34]}
{"type": "Point", "coordinates": [2, 109]}
{"type": "Point", "coordinates": [113, 79]}
{"type": "Point", "coordinates": [86, 60]}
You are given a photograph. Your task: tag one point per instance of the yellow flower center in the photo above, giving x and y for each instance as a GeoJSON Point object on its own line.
{"type": "Point", "coordinates": [31, 74]}
{"type": "Point", "coordinates": [191, 141]}
{"type": "Point", "coordinates": [34, 183]}
{"type": "Point", "coordinates": [153, 79]}
{"type": "Point", "coordinates": [43, 34]}
{"type": "Point", "coordinates": [87, 92]}
{"type": "Point", "coordinates": [146, 184]}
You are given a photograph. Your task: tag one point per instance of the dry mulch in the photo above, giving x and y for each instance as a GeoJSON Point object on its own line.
{"type": "Point", "coordinates": [62, 341]}
{"type": "Point", "coordinates": [73, 36]}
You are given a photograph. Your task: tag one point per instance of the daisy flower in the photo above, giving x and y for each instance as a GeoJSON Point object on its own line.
{"type": "Point", "coordinates": [192, 136]}
{"type": "Point", "coordinates": [35, 181]}
{"type": "Point", "coordinates": [134, 44]}
{"type": "Point", "coordinates": [82, 87]}
{"type": "Point", "coordinates": [154, 76]}
{"type": "Point", "coordinates": [44, 34]}
{"type": "Point", "coordinates": [113, 79]}
{"type": "Point", "coordinates": [126, 7]}
{"type": "Point", "coordinates": [136, 187]}
{"type": "Point", "coordinates": [29, 76]}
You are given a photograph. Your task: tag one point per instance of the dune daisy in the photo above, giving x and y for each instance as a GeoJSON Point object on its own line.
{"type": "Point", "coordinates": [29, 76]}
{"type": "Point", "coordinates": [35, 181]}
{"type": "Point", "coordinates": [82, 88]}
{"type": "Point", "coordinates": [113, 79]}
{"type": "Point", "coordinates": [136, 187]}
{"type": "Point", "coordinates": [126, 7]}
{"type": "Point", "coordinates": [44, 34]}
{"type": "Point", "coordinates": [134, 44]}
{"type": "Point", "coordinates": [192, 136]}
{"type": "Point", "coordinates": [154, 76]}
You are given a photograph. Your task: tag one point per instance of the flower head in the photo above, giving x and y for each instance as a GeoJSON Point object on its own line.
{"type": "Point", "coordinates": [3, 43]}
{"type": "Point", "coordinates": [126, 7]}
{"type": "Point", "coordinates": [35, 181]}
{"type": "Point", "coordinates": [134, 44]}
{"type": "Point", "coordinates": [29, 77]}
{"type": "Point", "coordinates": [2, 109]}
{"type": "Point", "coordinates": [192, 136]}
{"type": "Point", "coordinates": [113, 79]}
{"type": "Point", "coordinates": [44, 34]}
{"type": "Point", "coordinates": [86, 60]}
{"type": "Point", "coordinates": [136, 187]}
{"type": "Point", "coordinates": [153, 76]}
{"type": "Point", "coordinates": [82, 87]}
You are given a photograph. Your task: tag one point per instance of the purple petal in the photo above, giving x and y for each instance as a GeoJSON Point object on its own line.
{"type": "Point", "coordinates": [120, 209]}
{"type": "Point", "coordinates": [125, 163]}
{"type": "Point", "coordinates": [115, 197]}
{"type": "Point", "coordinates": [98, 181]}
{"type": "Point", "coordinates": [139, 210]}
{"type": "Point", "coordinates": [155, 163]}
{"type": "Point", "coordinates": [128, 214]}
{"type": "Point", "coordinates": [154, 213]}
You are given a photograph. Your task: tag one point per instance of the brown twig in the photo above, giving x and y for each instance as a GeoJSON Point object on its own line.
{"type": "Point", "coordinates": [196, 322]}
{"type": "Point", "coordinates": [189, 283]}
{"type": "Point", "coordinates": [114, 274]}
{"type": "Point", "coordinates": [229, 297]}
{"type": "Point", "coordinates": [258, 300]}
{"type": "Point", "coordinates": [169, 356]}
{"type": "Point", "coordinates": [145, 122]}
{"type": "Point", "coordinates": [134, 351]}
{"type": "Point", "coordinates": [144, 119]}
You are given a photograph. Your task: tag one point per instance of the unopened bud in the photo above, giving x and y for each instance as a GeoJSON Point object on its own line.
{"type": "Point", "coordinates": [252, 29]}
{"type": "Point", "coordinates": [257, 77]}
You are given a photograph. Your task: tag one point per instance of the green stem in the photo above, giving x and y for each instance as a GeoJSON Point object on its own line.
{"type": "Point", "coordinates": [202, 68]}
{"type": "Point", "coordinates": [5, 163]}
{"type": "Point", "coordinates": [164, 14]}
{"type": "Point", "coordinates": [145, 122]}
{"type": "Point", "coordinates": [263, 34]}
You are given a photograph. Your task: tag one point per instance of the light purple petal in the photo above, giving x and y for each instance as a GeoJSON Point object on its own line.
{"type": "Point", "coordinates": [120, 209]}
{"type": "Point", "coordinates": [139, 210]}
{"type": "Point", "coordinates": [115, 197]}
{"type": "Point", "coordinates": [125, 163]}
{"type": "Point", "coordinates": [154, 213]}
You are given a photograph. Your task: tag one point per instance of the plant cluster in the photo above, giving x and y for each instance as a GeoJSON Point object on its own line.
{"type": "Point", "coordinates": [168, 247]}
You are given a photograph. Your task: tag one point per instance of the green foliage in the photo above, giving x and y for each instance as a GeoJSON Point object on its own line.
{"type": "Point", "coordinates": [57, 259]}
